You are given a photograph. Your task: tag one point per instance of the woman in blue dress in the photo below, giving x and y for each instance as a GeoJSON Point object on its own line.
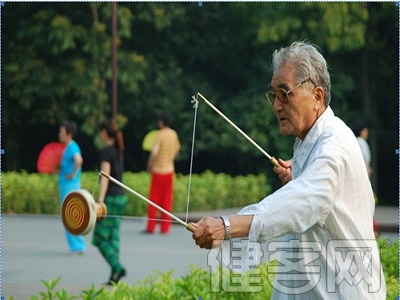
{"type": "Point", "coordinates": [70, 176]}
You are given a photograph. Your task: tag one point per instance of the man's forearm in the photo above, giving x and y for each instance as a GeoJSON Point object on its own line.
{"type": "Point", "coordinates": [240, 225]}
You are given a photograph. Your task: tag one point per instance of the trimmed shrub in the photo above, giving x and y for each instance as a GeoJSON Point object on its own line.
{"type": "Point", "coordinates": [198, 284]}
{"type": "Point", "coordinates": [38, 193]}
{"type": "Point", "coordinates": [29, 193]}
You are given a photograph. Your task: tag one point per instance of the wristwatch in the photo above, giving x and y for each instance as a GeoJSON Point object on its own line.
{"type": "Point", "coordinates": [227, 225]}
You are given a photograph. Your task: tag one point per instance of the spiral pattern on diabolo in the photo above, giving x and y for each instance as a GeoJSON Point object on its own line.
{"type": "Point", "coordinates": [76, 214]}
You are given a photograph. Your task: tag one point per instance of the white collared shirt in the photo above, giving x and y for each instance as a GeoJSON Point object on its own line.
{"type": "Point", "coordinates": [329, 202]}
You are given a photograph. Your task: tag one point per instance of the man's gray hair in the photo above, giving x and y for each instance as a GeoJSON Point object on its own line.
{"type": "Point", "coordinates": [309, 63]}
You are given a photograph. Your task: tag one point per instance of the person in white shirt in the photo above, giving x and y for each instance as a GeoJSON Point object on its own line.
{"type": "Point", "coordinates": [360, 130]}
{"type": "Point", "coordinates": [323, 212]}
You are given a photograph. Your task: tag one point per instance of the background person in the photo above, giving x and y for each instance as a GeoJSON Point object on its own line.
{"type": "Point", "coordinates": [360, 130]}
{"type": "Point", "coordinates": [327, 197]}
{"type": "Point", "coordinates": [162, 168]}
{"type": "Point", "coordinates": [70, 176]}
{"type": "Point", "coordinates": [106, 235]}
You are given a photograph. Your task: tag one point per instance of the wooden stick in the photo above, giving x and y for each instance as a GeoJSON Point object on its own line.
{"type": "Point", "coordinates": [188, 226]}
{"type": "Point", "coordinates": [271, 158]}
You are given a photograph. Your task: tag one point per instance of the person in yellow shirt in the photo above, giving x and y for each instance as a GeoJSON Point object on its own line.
{"type": "Point", "coordinates": [162, 168]}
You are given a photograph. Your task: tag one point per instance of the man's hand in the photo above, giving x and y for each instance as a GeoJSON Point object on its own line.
{"type": "Point", "coordinates": [210, 232]}
{"type": "Point", "coordinates": [284, 171]}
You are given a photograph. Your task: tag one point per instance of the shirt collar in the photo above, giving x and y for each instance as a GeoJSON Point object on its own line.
{"type": "Point", "coordinates": [302, 148]}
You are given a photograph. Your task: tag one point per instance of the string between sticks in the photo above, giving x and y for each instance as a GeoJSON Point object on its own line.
{"type": "Point", "coordinates": [195, 106]}
{"type": "Point", "coordinates": [141, 218]}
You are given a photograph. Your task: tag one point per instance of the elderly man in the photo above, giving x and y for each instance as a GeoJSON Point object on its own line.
{"type": "Point", "coordinates": [326, 200]}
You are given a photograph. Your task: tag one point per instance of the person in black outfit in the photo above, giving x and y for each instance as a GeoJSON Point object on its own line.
{"type": "Point", "coordinates": [106, 236]}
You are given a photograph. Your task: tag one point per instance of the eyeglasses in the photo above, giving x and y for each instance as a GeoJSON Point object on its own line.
{"type": "Point", "coordinates": [282, 95]}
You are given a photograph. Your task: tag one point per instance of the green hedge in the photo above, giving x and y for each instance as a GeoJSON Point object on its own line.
{"type": "Point", "coordinates": [390, 266]}
{"type": "Point", "coordinates": [197, 284]}
{"type": "Point", "coordinates": [35, 193]}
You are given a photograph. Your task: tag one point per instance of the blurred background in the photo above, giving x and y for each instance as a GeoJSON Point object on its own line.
{"type": "Point", "coordinates": [57, 64]}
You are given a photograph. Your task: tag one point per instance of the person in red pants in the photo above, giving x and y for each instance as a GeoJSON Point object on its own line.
{"type": "Point", "coordinates": [162, 169]}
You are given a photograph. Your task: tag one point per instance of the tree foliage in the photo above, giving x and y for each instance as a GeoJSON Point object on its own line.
{"type": "Point", "coordinates": [57, 66]}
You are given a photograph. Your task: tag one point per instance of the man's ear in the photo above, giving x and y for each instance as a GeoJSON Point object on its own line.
{"type": "Point", "coordinates": [319, 95]}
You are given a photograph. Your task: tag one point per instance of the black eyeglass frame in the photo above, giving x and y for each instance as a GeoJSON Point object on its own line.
{"type": "Point", "coordinates": [271, 95]}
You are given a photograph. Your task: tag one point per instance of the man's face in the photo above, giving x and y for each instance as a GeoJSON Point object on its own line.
{"type": "Point", "coordinates": [297, 116]}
